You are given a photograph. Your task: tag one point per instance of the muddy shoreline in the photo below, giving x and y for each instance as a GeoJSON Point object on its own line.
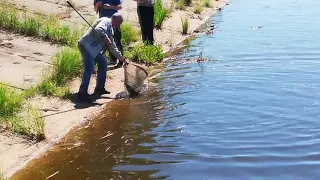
{"type": "Point", "coordinates": [16, 151]}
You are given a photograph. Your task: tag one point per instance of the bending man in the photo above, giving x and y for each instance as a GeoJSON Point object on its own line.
{"type": "Point", "coordinates": [92, 46]}
{"type": "Point", "coordinates": [106, 8]}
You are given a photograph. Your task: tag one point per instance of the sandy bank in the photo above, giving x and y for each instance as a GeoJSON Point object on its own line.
{"type": "Point", "coordinates": [32, 56]}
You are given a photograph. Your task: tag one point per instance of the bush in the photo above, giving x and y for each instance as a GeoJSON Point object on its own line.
{"type": "Point", "coordinates": [146, 53]}
{"type": "Point", "coordinates": [129, 34]}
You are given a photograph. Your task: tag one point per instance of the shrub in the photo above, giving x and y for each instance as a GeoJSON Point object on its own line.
{"type": "Point", "coordinates": [146, 53]}
{"type": "Point", "coordinates": [129, 34]}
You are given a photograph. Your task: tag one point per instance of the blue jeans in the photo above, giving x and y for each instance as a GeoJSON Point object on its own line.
{"type": "Point", "coordinates": [89, 63]}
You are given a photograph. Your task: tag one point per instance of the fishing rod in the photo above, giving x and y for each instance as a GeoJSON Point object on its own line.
{"type": "Point", "coordinates": [80, 15]}
{"type": "Point", "coordinates": [129, 87]}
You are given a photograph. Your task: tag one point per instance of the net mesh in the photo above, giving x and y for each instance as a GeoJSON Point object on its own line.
{"type": "Point", "coordinates": [134, 78]}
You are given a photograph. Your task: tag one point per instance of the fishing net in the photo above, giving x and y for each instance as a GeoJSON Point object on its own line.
{"type": "Point", "coordinates": [134, 78]}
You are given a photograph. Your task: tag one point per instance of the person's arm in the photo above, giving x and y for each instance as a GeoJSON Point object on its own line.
{"type": "Point", "coordinates": [110, 42]}
{"type": "Point", "coordinates": [116, 5]}
{"type": "Point", "coordinates": [97, 4]}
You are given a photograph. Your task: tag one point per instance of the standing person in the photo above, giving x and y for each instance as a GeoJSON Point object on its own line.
{"type": "Point", "coordinates": [106, 8]}
{"type": "Point", "coordinates": [92, 46]}
{"type": "Point", "coordinates": [145, 11]}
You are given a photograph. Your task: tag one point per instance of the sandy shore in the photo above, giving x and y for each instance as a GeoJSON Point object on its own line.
{"type": "Point", "coordinates": [22, 60]}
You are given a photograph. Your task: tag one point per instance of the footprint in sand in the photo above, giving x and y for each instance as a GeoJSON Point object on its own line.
{"type": "Point", "coordinates": [7, 45]}
{"type": "Point", "coordinates": [29, 58]}
{"type": "Point", "coordinates": [38, 53]}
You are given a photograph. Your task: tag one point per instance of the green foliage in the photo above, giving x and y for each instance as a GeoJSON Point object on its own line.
{"type": "Point", "coordinates": [10, 102]}
{"type": "Point", "coordinates": [207, 3]}
{"type": "Point", "coordinates": [198, 9]}
{"type": "Point", "coordinates": [185, 25]}
{"type": "Point", "coordinates": [160, 13]}
{"type": "Point", "coordinates": [11, 116]}
{"type": "Point", "coordinates": [146, 53]}
{"type": "Point", "coordinates": [129, 34]}
{"type": "Point", "coordinates": [67, 65]}
{"type": "Point", "coordinates": [181, 5]}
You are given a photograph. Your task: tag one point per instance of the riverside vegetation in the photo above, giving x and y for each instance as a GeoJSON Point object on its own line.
{"type": "Point", "coordinates": [19, 116]}
{"type": "Point", "coordinates": [16, 114]}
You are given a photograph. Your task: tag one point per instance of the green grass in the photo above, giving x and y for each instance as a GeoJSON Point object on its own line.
{"type": "Point", "coordinates": [207, 3]}
{"type": "Point", "coordinates": [148, 54]}
{"type": "Point", "coordinates": [160, 13]}
{"type": "Point", "coordinates": [181, 5]}
{"type": "Point", "coordinates": [29, 24]}
{"type": "Point", "coordinates": [30, 123]}
{"type": "Point", "coordinates": [49, 88]}
{"type": "Point", "coordinates": [198, 9]}
{"type": "Point", "coordinates": [13, 116]}
{"type": "Point", "coordinates": [10, 103]}
{"type": "Point", "coordinates": [67, 65]}
{"type": "Point", "coordinates": [129, 34]}
{"type": "Point", "coordinates": [185, 25]}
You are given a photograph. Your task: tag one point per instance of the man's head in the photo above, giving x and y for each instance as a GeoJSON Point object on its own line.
{"type": "Point", "coordinates": [116, 20]}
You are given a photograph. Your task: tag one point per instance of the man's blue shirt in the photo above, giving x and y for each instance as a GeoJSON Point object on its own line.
{"type": "Point", "coordinates": [107, 12]}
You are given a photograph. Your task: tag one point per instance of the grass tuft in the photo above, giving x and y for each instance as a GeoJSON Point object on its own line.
{"type": "Point", "coordinates": [30, 123]}
{"type": "Point", "coordinates": [129, 34]}
{"type": "Point", "coordinates": [207, 3]}
{"type": "Point", "coordinates": [146, 53]}
{"type": "Point", "coordinates": [49, 88]}
{"type": "Point", "coordinates": [185, 25]}
{"type": "Point", "coordinates": [10, 103]}
{"type": "Point", "coordinates": [181, 5]}
{"type": "Point", "coordinates": [198, 9]}
{"type": "Point", "coordinates": [67, 65]}
{"type": "Point", "coordinates": [12, 106]}
{"type": "Point", "coordinates": [160, 13]}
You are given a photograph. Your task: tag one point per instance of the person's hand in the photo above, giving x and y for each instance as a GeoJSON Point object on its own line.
{"type": "Point", "coordinates": [125, 62]}
{"type": "Point", "coordinates": [108, 42]}
{"type": "Point", "coordinates": [107, 6]}
{"type": "Point", "coordinates": [97, 5]}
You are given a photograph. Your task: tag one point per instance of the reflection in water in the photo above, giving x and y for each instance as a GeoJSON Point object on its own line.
{"type": "Point", "coordinates": [95, 150]}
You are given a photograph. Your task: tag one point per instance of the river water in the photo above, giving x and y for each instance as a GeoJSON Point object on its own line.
{"type": "Point", "coordinates": [250, 113]}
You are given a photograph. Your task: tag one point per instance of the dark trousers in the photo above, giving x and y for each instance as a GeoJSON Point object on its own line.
{"type": "Point", "coordinates": [146, 16]}
{"type": "Point", "coordinates": [117, 39]}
